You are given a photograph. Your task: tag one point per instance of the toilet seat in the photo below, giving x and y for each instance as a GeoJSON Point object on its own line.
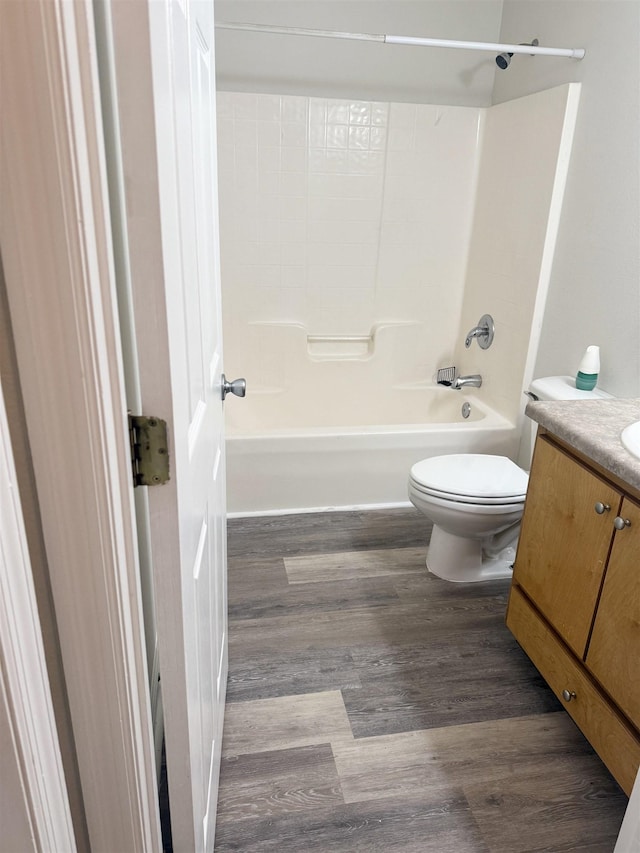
{"type": "Point", "coordinates": [471, 478]}
{"type": "Point", "coordinates": [464, 499]}
{"type": "Point", "coordinates": [467, 507]}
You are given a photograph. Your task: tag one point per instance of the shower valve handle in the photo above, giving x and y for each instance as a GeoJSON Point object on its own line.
{"type": "Point", "coordinates": [483, 332]}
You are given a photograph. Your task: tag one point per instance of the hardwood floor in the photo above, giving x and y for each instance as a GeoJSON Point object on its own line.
{"type": "Point", "coordinates": [374, 707]}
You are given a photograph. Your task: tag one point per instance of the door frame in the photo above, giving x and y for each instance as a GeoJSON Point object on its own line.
{"type": "Point", "coordinates": [25, 697]}
{"type": "Point", "coordinates": [56, 246]}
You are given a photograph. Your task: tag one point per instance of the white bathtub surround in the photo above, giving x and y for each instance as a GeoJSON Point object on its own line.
{"type": "Point", "coordinates": [523, 170]}
{"type": "Point", "coordinates": [360, 242]}
{"type": "Point", "coordinates": [302, 381]}
{"type": "Point", "coordinates": [339, 215]}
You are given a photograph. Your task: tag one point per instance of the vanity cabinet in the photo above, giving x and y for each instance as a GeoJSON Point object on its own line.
{"type": "Point", "coordinates": [574, 605]}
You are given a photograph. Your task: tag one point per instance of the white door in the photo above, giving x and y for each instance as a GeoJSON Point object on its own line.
{"type": "Point", "coordinates": [164, 65]}
{"type": "Point", "coordinates": [182, 42]}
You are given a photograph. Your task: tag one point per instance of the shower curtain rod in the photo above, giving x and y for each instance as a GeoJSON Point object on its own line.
{"type": "Point", "coordinates": [533, 50]}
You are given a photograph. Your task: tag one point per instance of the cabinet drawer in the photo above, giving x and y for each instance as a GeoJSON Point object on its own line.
{"type": "Point", "coordinates": [615, 742]}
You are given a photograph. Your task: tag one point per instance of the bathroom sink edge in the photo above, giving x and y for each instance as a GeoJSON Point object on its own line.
{"type": "Point", "coordinates": [630, 438]}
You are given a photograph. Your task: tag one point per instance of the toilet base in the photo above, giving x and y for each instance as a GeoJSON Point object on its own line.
{"type": "Point", "coordinates": [460, 560]}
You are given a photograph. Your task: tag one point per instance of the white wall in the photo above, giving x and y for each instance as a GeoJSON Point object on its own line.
{"type": "Point", "coordinates": [594, 295]}
{"type": "Point", "coordinates": [253, 62]}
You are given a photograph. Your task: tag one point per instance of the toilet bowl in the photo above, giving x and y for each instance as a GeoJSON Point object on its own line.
{"type": "Point", "coordinates": [475, 502]}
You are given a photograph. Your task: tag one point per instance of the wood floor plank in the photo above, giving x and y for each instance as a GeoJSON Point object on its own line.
{"type": "Point", "coordinates": [267, 675]}
{"type": "Point", "coordinates": [278, 782]}
{"type": "Point", "coordinates": [352, 565]}
{"type": "Point", "coordinates": [251, 579]}
{"type": "Point", "coordinates": [327, 532]}
{"type": "Point", "coordinates": [398, 624]}
{"type": "Point", "coordinates": [284, 723]}
{"type": "Point", "coordinates": [577, 807]}
{"type": "Point", "coordinates": [429, 590]}
{"type": "Point", "coordinates": [406, 764]}
{"type": "Point", "coordinates": [438, 823]}
{"type": "Point", "coordinates": [253, 595]}
{"type": "Point", "coordinates": [459, 677]}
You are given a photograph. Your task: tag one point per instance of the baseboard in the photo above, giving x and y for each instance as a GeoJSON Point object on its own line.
{"type": "Point", "coordinates": [304, 510]}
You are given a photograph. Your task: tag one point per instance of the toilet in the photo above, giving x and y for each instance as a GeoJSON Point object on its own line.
{"type": "Point", "coordinates": [476, 501]}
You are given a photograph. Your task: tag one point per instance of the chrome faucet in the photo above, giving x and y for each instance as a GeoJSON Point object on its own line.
{"type": "Point", "coordinates": [473, 381]}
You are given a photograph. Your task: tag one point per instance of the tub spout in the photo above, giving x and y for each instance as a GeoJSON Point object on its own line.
{"type": "Point", "coordinates": [473, 381]}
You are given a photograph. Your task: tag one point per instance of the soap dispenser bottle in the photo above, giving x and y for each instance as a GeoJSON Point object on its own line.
{"type": "Point", "coordinates": [588, 370]}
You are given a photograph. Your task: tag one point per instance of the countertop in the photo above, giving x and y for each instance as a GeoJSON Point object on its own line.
{"type": "Point", "coordinates": [593, 427]}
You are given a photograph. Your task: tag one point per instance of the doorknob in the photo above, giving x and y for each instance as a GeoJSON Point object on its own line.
{"type": "Point", "coordinates": [237, 387]}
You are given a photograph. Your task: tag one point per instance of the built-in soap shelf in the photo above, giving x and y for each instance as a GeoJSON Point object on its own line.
{"type": "Point", "coordinates": [291, 344]}
{"type": "Point", "coordinates": [352, 347]}
{"type": "Point", "coordinates": [340, 347]}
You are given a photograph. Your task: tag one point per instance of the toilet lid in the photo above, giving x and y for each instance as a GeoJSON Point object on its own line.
{"type": "Point", "coordinates": [472, 475]}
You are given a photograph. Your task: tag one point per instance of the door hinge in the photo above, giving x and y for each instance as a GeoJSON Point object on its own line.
{"type": "Point", "coordinates": [149, 450]}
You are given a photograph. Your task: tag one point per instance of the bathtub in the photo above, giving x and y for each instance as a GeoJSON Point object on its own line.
{"type": "Point", "coordinates": [303, 458]}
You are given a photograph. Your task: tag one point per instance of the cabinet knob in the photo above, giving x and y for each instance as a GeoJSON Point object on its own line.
{"type": "Point", "coordinates": [620, 523]}
{"type": "Point", "coordinates": [600, 508]}
{"type": "Point", "coordinates": [568, 695]}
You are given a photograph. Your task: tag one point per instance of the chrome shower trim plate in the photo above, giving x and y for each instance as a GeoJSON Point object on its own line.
{"type": "Point", "coordinates": [483, 332]}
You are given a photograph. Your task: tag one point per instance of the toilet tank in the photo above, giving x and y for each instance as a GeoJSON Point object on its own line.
{"type": "Point", "coordinates": [562, 388]}
{"type": "Point", "coordinates": [552, 388]}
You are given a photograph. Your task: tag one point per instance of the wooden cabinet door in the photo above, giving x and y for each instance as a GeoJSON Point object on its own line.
{"type": "Point", "coordinates": [614, 650]}
{"type": "Point", "coordinates": [564, 542]}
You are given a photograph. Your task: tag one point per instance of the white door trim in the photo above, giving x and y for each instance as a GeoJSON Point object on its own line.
{"type": "Point", "coordinates": [56, 248]}
{"type": "Point", "coordinates": [24, 683]}
{"type": "Point", "coordinates": [629, 838]}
